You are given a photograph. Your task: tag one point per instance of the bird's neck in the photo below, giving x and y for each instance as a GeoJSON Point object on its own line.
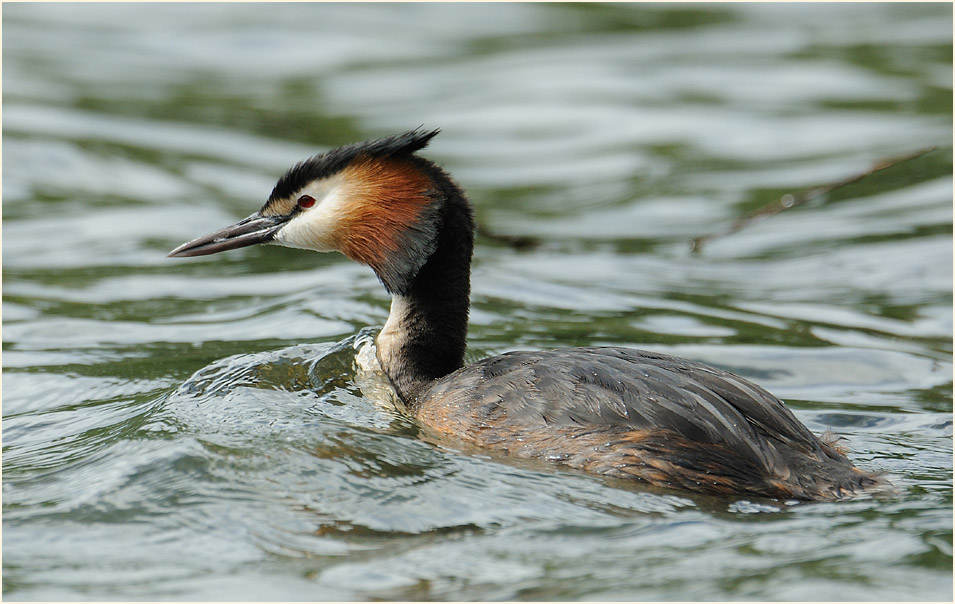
{"type": "Point", "coordinates": [426, 333]}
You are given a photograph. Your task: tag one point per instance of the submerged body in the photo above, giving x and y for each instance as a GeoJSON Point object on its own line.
{"type": "Point", "coordinates": [619, 412]}
{"type": "Point", "coordinates": [639, 415]}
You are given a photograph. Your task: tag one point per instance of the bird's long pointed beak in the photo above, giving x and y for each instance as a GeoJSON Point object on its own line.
{"type": "Point", "coordinates": [249, 231]}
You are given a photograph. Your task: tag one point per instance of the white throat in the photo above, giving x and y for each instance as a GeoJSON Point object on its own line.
{"type": "Point", "coordinates": [395, 332]}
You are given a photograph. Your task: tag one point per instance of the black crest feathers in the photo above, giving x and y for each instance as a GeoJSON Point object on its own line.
{"type": "Point", "coordinates": [331, 162]}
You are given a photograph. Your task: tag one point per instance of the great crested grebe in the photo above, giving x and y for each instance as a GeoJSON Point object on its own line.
{"type": "Point", "coordinates": [619, 412]}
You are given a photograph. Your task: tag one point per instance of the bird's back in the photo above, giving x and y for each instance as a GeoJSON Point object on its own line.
{"type": "Point", "coordinates": [636, 414]}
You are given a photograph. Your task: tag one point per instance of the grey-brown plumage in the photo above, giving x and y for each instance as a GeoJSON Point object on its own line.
{"type": "Point", "coordinates": [614, 411]}
{"type": "Point", "coordinates": [636, 414]}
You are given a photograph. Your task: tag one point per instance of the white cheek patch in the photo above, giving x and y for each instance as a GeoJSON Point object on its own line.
{"type": "Point", "coordinates": [315, 228]}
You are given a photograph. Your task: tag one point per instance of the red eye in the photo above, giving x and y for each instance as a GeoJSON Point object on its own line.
{"type": "Point", "coordinates": [306, 201]}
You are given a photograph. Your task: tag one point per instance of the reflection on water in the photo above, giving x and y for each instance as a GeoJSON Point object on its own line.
{"type": "Point", "coordinates": [202, 430]}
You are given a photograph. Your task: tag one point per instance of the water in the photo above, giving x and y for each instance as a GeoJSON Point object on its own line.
{"type": "Point", "coordinates": [198, 429]}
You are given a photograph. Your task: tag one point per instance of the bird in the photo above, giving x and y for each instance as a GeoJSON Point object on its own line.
{"type": "Point", "coordinates": [658, 420]}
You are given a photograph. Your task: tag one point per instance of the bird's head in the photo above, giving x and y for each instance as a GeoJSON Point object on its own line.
{"type": "Point", "coordinates": [374, 201]}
